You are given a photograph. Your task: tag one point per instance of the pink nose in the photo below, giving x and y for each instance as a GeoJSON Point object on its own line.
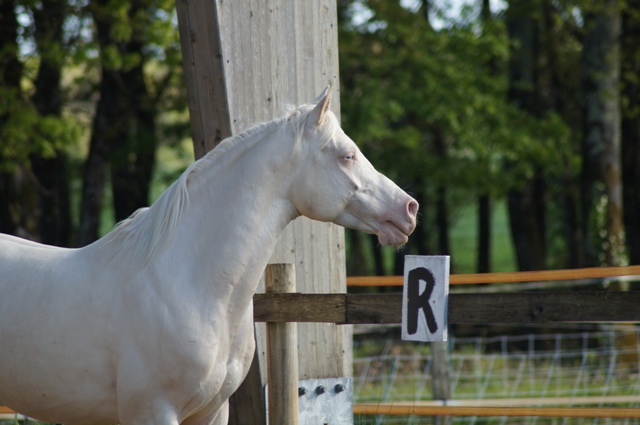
{"type": "Point", "coordinates": [412, 211]}
{"type": "Point", "coordinates": [412, 208]}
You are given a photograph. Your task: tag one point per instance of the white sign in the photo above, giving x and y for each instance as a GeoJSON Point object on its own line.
{"type": "Point", "coordinates": [424, 298]}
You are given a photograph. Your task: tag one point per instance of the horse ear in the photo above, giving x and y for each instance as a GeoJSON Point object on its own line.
{"type": "Point", "coordinates": [323, 102]}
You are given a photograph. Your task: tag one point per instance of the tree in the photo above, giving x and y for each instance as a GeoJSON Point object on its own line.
{"type": "Point", "coordinates": [124, 136]}
{"type": "Point", "coordinates": [133, 155]}
{"type": "Point", "coordinates": [471, 110]}
{"type": "Point", "coordinates": [51, 169]}
{"type": "Point", "coordinates": [455, 108]}
{"type": "Point", "coordinates": [630, 128]}
{"type": "Point", "coordinates": [483, 264]}
{"type": "Point", "coordinates": [108, 122]}
{"type": "Point", "coordinates": [40, 43]}
{"type": "Point", "coordinates": [10, 93]}
{"type": "Point", "coordinates": [601, 134]}
{"type": "Point", "coordinates": [526, 203]}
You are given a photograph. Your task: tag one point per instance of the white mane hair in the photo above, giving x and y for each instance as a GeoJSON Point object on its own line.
{"type": "Point", "coordinates": [149, 231]}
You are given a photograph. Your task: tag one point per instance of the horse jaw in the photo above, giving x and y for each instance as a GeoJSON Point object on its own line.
{"type": "Point", "coordinates": [392, 229]}
{"type": "Point", "coordinates": [391, 235]}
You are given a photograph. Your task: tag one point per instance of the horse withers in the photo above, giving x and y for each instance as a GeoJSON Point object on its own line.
{"type": "Point", "coordinates": [153, 323]}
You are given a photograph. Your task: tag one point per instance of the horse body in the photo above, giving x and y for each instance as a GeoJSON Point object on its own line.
{"type": "Point", "coordinates": [87, 351]}
{"type": "Point", "coordinates": [153, 324]}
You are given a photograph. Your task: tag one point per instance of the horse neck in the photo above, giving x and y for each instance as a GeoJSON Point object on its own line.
{"type": "Point", "coordinates": [237, 209]}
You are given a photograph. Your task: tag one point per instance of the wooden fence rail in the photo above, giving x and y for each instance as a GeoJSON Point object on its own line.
{"type": "Point", "coordinates": [527, 307]}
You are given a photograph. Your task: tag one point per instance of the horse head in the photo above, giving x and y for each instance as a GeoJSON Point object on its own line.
{"type": "Point", "coordinates": [335, 182]}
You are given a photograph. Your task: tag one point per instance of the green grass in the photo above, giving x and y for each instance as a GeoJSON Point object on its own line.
{"type": "Point", "coordinates": [464, 240]}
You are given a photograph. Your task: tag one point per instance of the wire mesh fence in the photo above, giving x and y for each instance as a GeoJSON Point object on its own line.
{"type": "Point", "coordinates": [576, 366]}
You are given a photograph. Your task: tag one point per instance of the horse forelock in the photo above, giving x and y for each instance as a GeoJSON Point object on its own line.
{"type": "Point", "coordinates": [149, 231]}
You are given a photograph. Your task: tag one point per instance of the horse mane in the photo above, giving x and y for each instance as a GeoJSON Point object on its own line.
{"type": "Point", "coordinates": [148, 231]}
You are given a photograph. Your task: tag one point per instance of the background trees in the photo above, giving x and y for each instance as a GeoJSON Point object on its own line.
{"type": "Point", "coordinates": [518, 105]}
{"type": "Point", "coordinates": [531, 106]}
{"type": "Point", "coordinates": [85, 83]}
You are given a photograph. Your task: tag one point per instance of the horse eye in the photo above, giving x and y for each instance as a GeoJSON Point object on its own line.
{"type": "Point", "coordinates": [349, 157]}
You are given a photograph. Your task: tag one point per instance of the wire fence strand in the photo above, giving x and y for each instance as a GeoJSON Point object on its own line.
{"type": "Point", "coordinates": [570, 369]}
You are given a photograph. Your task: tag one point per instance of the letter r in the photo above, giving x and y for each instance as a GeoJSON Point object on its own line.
{"type": "Point", "coordinates": [417, 301]}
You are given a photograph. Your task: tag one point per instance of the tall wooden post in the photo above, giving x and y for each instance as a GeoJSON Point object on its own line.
{"type": "Point", "coordinates": [246, 62]}
{"type": "Point", "coordinates": [282, 351]}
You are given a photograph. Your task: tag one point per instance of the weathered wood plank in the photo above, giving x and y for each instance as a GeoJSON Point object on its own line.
{"type": "Point", "coordinates": [540, 307]}
{"type": "Point", "coordinates": [543, 307]}
{"type": "Point", "coordinates": [374, 308]}
{"type": "Point", "coordinates": [310, 308]}
{"type": "Point", "coordinates": [204, 74]}
{"type": "Point", "coordinates": [277, 54]}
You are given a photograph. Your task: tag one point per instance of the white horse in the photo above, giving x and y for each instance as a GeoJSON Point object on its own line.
{"type": "Point", "coordinates": [153, 323]}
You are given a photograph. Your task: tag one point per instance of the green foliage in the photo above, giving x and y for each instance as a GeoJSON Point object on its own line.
{"type": "Point", "coordinates": [428, 99]}
{"type": "Point", "coordinates": [25, 132]}
{"type": "Point", "coordinates": [425, 95]}
{"type": "Point", "coordinates": [118, 36]}
{"type": "Point", "coordinates": [408, 84]}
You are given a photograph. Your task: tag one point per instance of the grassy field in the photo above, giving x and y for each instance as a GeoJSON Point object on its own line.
{"type": "Point", "coordinates": [464, 240]}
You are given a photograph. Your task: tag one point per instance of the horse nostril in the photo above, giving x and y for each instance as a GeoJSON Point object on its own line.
{"type": "Point", "coordinates": [412, 208]}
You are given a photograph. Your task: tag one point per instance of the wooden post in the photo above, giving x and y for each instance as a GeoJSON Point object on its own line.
{"type": "Point", "coordinates": [204, 74]}
{"type": "Point", "coordinates": [440, 376]}
{"type": "Point", "coordinates": [270, 55]}
{"type": "Point", "coordinates": [282, 352]}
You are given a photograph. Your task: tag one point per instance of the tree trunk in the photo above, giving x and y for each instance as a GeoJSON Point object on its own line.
{"type": "Point", "coordinates": [53, 203]}
{"type": "Point", "coordinates": [95, 173]}
{"type": "Point", "coordinates": [526, 204]}
{"type": "Point", "coordinates": [10, 74]}
{"type": "Point", "coordinates": [10, 65]}
{"type": "Point", "coordinates": [378, 260]}
{"type": "Point", "coordinates": [559, 96]}
{"type": "Point", "coordinates": [630, 64]}
{"type": "Point", "coordinates": [601, 135]}
{"type": "Point", "coordinates": [133, 155]}
{"type": "Point", "coordinates": [484, 234]}
{"type": "Point", "coordinates": [442, 219]}
{"type": "Point", "coordinates": [573, 235]}
{"type": "Point", "coordinates": [7, 197]}
{"type": "Point", "coordinates": [109, 119]}
{"type": "Point", "coordinates": [441, 148]}
{"type": "Point", "coordinates": [123, 138]}
{"type": "Point", "coordinates": [483, 263]}
{"type": "Point", "coordinates": [527, 221]}
{"type": "Point", "coordinates": [357, 259]}
{"type": "Point", "coordinates": [53, 199]}
{"type": "Point", "coordinates": [601, 146]}
{"type": "Point", "coordinates": [422, 233]}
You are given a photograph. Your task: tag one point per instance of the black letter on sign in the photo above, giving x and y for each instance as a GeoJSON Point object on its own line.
{"type": "Point", "coordinates": [417, 301]}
